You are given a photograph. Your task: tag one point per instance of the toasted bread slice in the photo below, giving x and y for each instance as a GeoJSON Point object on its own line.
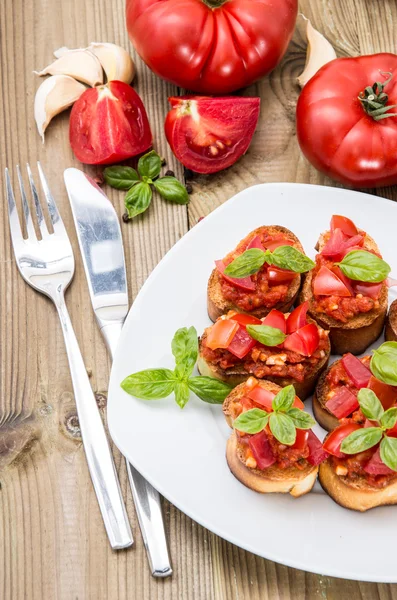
{"type": "Point", "coordinates": [360, 331]}
{"type": "Point", "coordinates": [326, 419]}
{"type": "Point", "coordinates": [294, 481]}
{"type": "Point", "coordinates": [218, 305]}
{"type": "Point", "coordinates": [357, 494]}
{"type": "Point", "coordinates": [391, 323]}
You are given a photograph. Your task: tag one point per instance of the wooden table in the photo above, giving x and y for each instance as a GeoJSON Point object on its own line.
{"type": "Point", "coordinates": [52, 541]}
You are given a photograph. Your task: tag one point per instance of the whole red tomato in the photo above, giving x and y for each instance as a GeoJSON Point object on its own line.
{"type": "Point", "coordinates": [211, 46]}
{"type": "Point", "coordinates": [347, 123]}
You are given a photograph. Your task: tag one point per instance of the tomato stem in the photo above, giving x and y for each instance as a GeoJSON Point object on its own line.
{"type": "Point", "coordinates": [373, 100]}
{"type": "Point", "coordinates": [214, 3]}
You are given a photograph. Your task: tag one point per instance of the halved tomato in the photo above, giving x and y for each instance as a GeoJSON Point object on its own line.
{"type": "Point", "coordinates": [245, 283]}
{"type": "Point", "coordinates": [343, 403]}
{"type": "Point", "coordinates": [326, 283]}
{"type": "Point", "coordinates": [387, 394]}
{"type": "Point", "coordinates": [344, 224]}
{"type": "Point", "coordinates": [109, 124]}
{"type": "Point", "coordinates": [305, 341]}
{"type": "Point", "coordinates": [262, 450]}
{"type": "Point", "coordinates": [356, 370]}
{"type": "Point", "coordinates": [221, 333]}
{"type": "Point", "coordinates": [275, 319]}
{"type": "Point", "coordinates": [297, 318]}
{"type": "Point", "coordinates": [276, 275]}
{"type": "Point", "coordinates": [256, 243]}
{"type": "Point", "coordinates": [335, 438]}
{"type": "Point", "coordinates": [210, 134]}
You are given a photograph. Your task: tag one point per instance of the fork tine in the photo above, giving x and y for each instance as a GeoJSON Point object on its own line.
{"type": "Point", "coordinates": [15, 226]}
{"type": "Point", "coordinates": [39, 212]}
{"type": "Point", "coordinates": [56, 218]}
{"type": "Point", "coordinates": [25, 207]}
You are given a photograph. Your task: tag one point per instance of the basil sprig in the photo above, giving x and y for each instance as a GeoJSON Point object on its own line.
{"type": "Point", "coordinates": [154, 384]}
{"type": "Point", "coordinates": [367, 437]}
{"type": "Point", "coordinates": [284, 257]}
{"type": "Point", "coordinates": [384, 363]}
{"type": "Point", "coordinates": [139, 184]}
{"type": "Point", "coordinates": [361, 265]}
{"type": "Point", "coordinates": [283, 419]}
{"type": "Point", "coordinates": [268, 336]}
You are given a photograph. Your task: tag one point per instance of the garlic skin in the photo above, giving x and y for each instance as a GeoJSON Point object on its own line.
{"type": "Point", "coordinates": [319, 53]}
{"type": "Point", "coordinates": [83, 65]}
{"type": "Point", "coordinates": [54, 95]}
{"type": "Point", "coordinates": [116, 62]}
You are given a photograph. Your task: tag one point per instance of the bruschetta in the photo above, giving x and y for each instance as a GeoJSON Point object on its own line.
{"type": "Point", "coordinates": [391, 323]}
{"type": "Point", "coordinates": [259, 460]}
{"type": "Point", "coordinates": [230, 350]}
{"type": "Point", "coordinates": [257, 294]}
{"type": "Point", "coordinates": [354, 311]}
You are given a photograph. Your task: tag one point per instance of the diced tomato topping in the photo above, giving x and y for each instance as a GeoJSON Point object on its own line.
{"type": "Point", "coordinates": [246, 404]}
{"type": "Point", "coordinates": [297, 318]}
{"type": "Point", "coordinates": [345, 224]}
{"type": "Point", "coordinates": [333, 442]}
{"type": "Point", "coordinates": [301, 439]}
{"type": "Point", "coordinates": [326, 283]}
{"type": "Point", "coordinates": [256, 243]}
{"type": "Point", "coordinates": [387, 394]}
{"type": "Point", "coordinates": [305, 341]}
{"type": "Point", "coordinates": [262, 397]}
{"type": "Point", "coordinates": [275, 275]}
{"type": "Point", "coordinates": [221, 334]}
{"type": "Point", "coordinates": [275, 319]}
{"type": "Point", "coordinates": [297, 403]}
{"type": "Point", "coordinates": [348, 282]}
{"type": "Point", "coordinates": [368, 289]}
{"type": "Point", "coordinates": [335, 245]}
{"type": "Point", "coordinates": [272, 245]}
{"type": "Point", "coordinates": [241, 343]}
{"type": "Point", "coordinates": [317, 453]}
{"type": "Point", "coordinates": [358, 373]}
{"type": "Point", "coordinates": [343, 403]}
{"type": "Point", "coordinates": [261, 449]}
{"type": "Point", "coordinates": [244, 319]}
{"type": "Point", "coordinates": [244, 283]}
{"type": "Point", "coordinates": [375, 466]}
{"type": "Point", "coordinates": [349, 249]}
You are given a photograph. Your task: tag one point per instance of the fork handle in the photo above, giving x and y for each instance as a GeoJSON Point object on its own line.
{"type": "Point", "coordinates": [96, 446]}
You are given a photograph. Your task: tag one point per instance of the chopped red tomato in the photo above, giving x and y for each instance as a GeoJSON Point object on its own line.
{"type": "Point", "coordinates": [261, 449]}
{"type": "Point", "coordinates": [275, 275]}
{"type": "Point", "coordinates": [368, 289]}
{"type": "Point", "coordinates": [246, 404]}
{"type": "Point", "coordinates": [348, 282]}
{"type": "Point", "coordinates": [256, 242]}
{"type": "Point", "coordinates": [272, 245]}
{"type": "Point", "coordinates": [221, 334]}
{"type": "Point", "coordinates": [305, 341]}
{"type": "Point", "coordinates": [375, 466]}
{"type": "Point", "coordinates": [387, 394]}
{"type": "Point", "coordinates": [335, 245]}
{"type": "Point", "coordinates": [241, 343]}
{"type": "Point", "coordinates": [275, 319]}
{"type": "Point", "coordinates": [301, 439]}
{"type": "Point", "coordinates": [345, 224]}
{"type": "Point", "coordinates": [244, 319]}
{"type": "Point", "coordinates": [326, 283]}
{"type": "Point", "coordinates": [262, 397]}
{"type": "Point", "coordinates": [350, 249]}
{"type": "Point", "coordinates": [343, 403]}
{"type": "Point", "coordinates": [297, 318]}
{"type": "Point", "coordinates": [317, 453]}
{"type": "Point", "coordinates": [244, 283]}
{"type": "Point", "coordinates": [358, 373]}
{"type": "Point", "coordinates": [333, 442]}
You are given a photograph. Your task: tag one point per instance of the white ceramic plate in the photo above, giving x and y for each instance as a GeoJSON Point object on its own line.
{"type": "Point", "coordinates": [182, 452]}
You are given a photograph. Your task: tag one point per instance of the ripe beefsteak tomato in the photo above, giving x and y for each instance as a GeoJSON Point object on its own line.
{"type": "Point", "coordinates": [109, 124]}
{"type": "Point", "coordinates": [210, 134]}
{"type": "Point", "coordinates": [347, 122]}
{"type": "Point", "coordinates": [211, 46]}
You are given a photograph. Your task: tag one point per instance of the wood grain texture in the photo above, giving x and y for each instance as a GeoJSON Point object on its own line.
{"type": "Point", "coordinates": [52, 541]}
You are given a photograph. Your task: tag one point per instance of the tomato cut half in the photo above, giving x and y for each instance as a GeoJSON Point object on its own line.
{"type": "Point", "coordinates": [244, 283]}
{"type": "Point", "coordinates": [357, 372]}
{"type": "Point", "coordinates": [109, 124]}
{"type": "Point", "coordinates": [275, 275]}
{"type": "Point", "coordinates": [210, 134]}
{"type": "Point", "coordinates": [241, 343]}
{"type": "Point", "coordinates": [343, 403]}
{"type": "Point", "coordinates": [221, 334]}
{"type": "Point", "coordinates": [326, 283]}
{"type": "Point", "coordinates": [317, 453]}
{"type": "Point", "coordinates": [335, 438]}
{"type": "Point", "coordinates": [298, 317]}
{"type": "Point", "coordinates": [344, 224]}
{"type": "Point", "coordinates": [275, 319]}
{"type": "Point", "coordinates": [262, 450]}
{"type": "Point", "coordinates": [305, 341]}
{"type": "Point", "coordinates": [256, 242]}
{"type": "Point", "coordinates": [375, 465]}
{"type": "Point", "coordinates": [387, 394]}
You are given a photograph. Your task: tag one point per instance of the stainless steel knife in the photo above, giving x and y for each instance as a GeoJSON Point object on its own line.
{"type": "Point", "coordinates": [101, 246]}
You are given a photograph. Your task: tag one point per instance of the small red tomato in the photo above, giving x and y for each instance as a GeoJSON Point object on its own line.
{"type": "Point", "coordinates": [297, 318]}
{"type": "Point", "coordinates": [210, 134]}
{"type": "Point", "coordinates": [109, 124]}
{"type": "Point", "coordinates": [334, 440]}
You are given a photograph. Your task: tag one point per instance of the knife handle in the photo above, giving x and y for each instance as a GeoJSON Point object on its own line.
{"type": "Point", "coordinates": [146, 498]}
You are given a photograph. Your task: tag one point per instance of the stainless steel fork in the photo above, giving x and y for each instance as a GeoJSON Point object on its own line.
{"type": "Point", "coordinates": [48, 266]}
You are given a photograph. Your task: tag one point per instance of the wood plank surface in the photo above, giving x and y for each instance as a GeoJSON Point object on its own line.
{"type": "Point", "coordinates": [52, 541]}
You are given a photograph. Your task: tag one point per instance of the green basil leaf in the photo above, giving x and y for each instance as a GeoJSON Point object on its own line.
{"type": "Point", "coordinates": [361, 440]}
{"type": "Point", "coordinates": [121, 178]}
{"type": "Point", "coordinates": [370, 405]}
{"type": "Point", "coordinates": [208, 389]}
{"type": "Point", "coordinates": [151, 384]}
{"type": "Point", "coordinates": [283, 428]}
{"type": "Point", "coordinates": [248, 263]}
{"type": "Point", "coordinates": [149, 165]}
{"type": "Point", "coordinates": [185, 349]}
{"type": "Point", "coordinates": [172, 190]}
{"type": "Point", "coordinates": [138, 199]}
{"type": "Point", "coordinates": [301, 419]}
{"type": "Point", "coordinates": [361, 265]}
{"type": "Point", "coordinates": [182, 393]}
{"type": "Point", "coordinates": [251, 421]}
{"type": "Point", "coordinates": [268, 336]}
{"type": "Point", "coordinates": [388, 452]}
{"type": "Point", "coordinates": [389, 418]}
{"type": "Point", "coordinates": [288, 257]}
{"type": "Point", "coordinates": [284, 399]}
{"type": "Point", "coordinates": [384, 363]}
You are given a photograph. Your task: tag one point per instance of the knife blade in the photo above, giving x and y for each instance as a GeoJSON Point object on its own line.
{"type": "Point", "coordinates": [102, 251]}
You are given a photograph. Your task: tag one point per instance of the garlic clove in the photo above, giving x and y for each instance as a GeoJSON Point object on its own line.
{"type": "Point", "coordinates": [54, 95]}
{"type": "Point", "coordinates": [83, 65]}
{"type": "Point", "coordinates": [116, 62]}
{"type": "Point", "coordinates": [319, 52]}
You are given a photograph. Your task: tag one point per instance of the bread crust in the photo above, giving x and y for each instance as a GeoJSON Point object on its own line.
{"type": "Point", "coordinates": [218, 305]}
{"type": "Point", "coordinates": [355, 495]}
{"type": "Point", "coordinates": [391, 323]}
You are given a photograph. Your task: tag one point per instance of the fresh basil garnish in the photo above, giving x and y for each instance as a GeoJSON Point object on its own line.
{"type": "Point", "coordinates": [121, 178]}
{"type": "Point", "coordinates": [389, 418]}
{"type": "Point", "coordinates": [248, 263]}
{"type": "Point", "coordinates": [283, 428]}
{"type": "Point", "coordinates": [251, 421]}
{"type": "Point", "coordinates": [388, 452]}
{"type": "Point", "coordinates": [384, 363]}
{"type": "Point", "coordinates": [268, 336]}
{"type": "Point", "coordinates": [182, 393]}
{"type": "Point", "coordinates": [184, 347]}
{"type": "Point", "coordinates": [149, 165]}
{"type": "Point", "coordinates": [361, 439]}
{"type": "Point", "coordinates": [284, 399]}
{"type": "Point", "coordinates": [289, 258]}
{"type": "Point", "coordinates": [370, 405]}
{"type": "Point", "coordinates": [361, 265]}
{"type": "Point", "coordinates": [151, 384]}
{"type": "Point", "coordinates": [138, 199]}
{"type": "Point", "coordinates": [172, 190]}
{"type": "Point", "coordinates": [300, 419]}
{"type": "Point", "coordinates": [208, 389]}
{"type": "Point", "coordinates": [284, 257]}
